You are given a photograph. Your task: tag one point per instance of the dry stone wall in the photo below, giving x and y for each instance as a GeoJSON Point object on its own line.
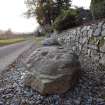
{"type": "Point", "coordinates": [88, 40]}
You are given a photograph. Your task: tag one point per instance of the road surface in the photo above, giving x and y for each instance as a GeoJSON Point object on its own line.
{"type": "Point", "coordinates": [8, 54]}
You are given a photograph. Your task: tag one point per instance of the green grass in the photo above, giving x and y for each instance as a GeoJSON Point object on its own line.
{"type": "Point", "coordinates": [38, 40]}
{"type": "Point", "coordinates": [10, 41]}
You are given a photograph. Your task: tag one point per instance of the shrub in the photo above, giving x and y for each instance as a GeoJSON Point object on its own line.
{"type": "Point", "coordinates": [67, 19]}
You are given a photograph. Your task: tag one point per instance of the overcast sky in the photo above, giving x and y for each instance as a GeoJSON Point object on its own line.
{"type": "Point", "coordinates": [11, 15]}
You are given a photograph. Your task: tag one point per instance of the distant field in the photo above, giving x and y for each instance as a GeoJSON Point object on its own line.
{"type": "Point", "coordinates": [10, 41]}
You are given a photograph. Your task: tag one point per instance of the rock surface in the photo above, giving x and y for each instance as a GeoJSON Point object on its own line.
{"type": "Point", "coordinates": [52, 70]}
{"type": "Point", "coordinates": [88, 39]}
{"type": "Point", "coordinates": [50, 41]}
{"type": "Point", "coordinates": [89, 90]}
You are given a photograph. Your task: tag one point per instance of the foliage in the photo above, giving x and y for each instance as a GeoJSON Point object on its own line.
{"type": "Point", "coordinates": [98, 8]}
{"type": "Point", "coordinates": [67, 19]}
{"type": "Point", "coordinates": [46, 10]}
{"type": "Point", "coordinates": [83, 14]}
{"type": "Point", "coordinates": [62, 4]}
{"type": "Point", "coordinates": [41, 9]}
{"type": "Point", "coordinates": [55, 14]}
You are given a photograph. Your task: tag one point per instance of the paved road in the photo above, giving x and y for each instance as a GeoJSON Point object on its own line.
{"type": "Point", "coordinates": [8, 54]}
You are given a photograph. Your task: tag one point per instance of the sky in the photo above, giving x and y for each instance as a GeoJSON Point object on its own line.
{"type": "Point", "coordinates": [11, 15]}
{"type": "Point", "coordinates": [82, 3]}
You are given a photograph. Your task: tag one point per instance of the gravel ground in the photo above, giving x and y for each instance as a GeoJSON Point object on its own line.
{"type": "Point", "coordinates": [90, 89]}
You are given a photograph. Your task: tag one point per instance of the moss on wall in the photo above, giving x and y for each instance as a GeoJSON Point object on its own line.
{"type": "Point", "coordinates": [99, 41]}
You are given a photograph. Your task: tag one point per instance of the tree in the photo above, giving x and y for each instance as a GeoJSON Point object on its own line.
{"type": "Point", "coordinates": [42, 9]}
{"type": "Point", "coordinates": [97, 8]}
{"type": "Point", "coordinates": [31, 5]}
{"type": "Point", "coordinates": [46, 10]}
{"type": "Point", "coordinates": [62, 4]}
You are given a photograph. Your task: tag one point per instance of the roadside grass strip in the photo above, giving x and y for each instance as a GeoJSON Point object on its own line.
{"type": "Point", "coordinates": [38, 40]}
{"type": "Point", "coordinates": [10, 41]}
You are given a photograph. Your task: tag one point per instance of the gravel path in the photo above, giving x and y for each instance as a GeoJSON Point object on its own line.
{"type": "Point", "coordinates": [90, 89]}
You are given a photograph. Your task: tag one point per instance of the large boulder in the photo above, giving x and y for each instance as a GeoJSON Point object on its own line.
{"type": "Point", "coordinates": [50, 42]}
{"type": "Point", "coordinates": [52, 70]}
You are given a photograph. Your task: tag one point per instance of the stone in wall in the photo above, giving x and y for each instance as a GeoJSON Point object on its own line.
{"type": "Point", "coordinates": [102, 60]}
{"type": "Point", "coordinates": [103, 30]}
{"type": "Point", "coordinates": [80, 37]}
{"type": "Point", "coordinates": [78, 31]}
{"type": "Point", "coordinates": [103, 48]}
{"type": "Point", "coordinates": [103, 33]}
{"type": "Point", "coordinates": [90, 32]}
{"type": "Point", "coordinates": [84, 28]}
{"type": "Point", "coordinates": [98, 29]}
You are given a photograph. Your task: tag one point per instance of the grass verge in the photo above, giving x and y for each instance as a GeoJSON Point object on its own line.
{"type": "Point", "coordinates": [10, 41]}
{"type": "Point", "coordinates": [38, 40]}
